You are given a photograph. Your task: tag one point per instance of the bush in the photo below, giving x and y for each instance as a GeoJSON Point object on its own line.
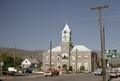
{"type": "Point", "coordinates": [82, 68]}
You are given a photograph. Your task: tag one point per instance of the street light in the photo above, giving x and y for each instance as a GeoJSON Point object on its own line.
{"type": "Point", "coordinates": [102, 38]}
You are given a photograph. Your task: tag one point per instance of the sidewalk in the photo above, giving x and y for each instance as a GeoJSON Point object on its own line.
{"type": "Point", "coordinates": [19, 76]}
{"type": "Point", "coordinates": [115, 79]}
{"type": "Point", "coordinates": [5, 77]}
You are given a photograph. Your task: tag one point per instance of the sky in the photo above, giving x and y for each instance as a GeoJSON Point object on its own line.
{"type": "Point", "coordinates": [31, 24]}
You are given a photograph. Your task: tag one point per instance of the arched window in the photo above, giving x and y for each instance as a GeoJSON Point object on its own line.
{"type": "Point", "coordinates": [58, 58]}
{"type": "Point", "coordinates": [65, 56]}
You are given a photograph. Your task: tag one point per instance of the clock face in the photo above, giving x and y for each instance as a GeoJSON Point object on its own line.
{"type": "Point", "coordinates": [65, 32]}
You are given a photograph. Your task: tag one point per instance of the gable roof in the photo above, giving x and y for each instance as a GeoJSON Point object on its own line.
{"type": "Point", "coordinates": [66, 28]}
{"type": "Point", "coordinates": [33, 60]}
{"type": "Point", "coordinates": [80, 48]}
{"type": "Point", "coordinates": [56, 49]}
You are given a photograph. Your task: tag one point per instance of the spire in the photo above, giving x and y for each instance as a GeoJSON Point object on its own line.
{"type": "Point", "coordinates": [66, 28]}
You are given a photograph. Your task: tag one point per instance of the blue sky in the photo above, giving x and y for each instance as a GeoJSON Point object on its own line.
{"type": "Point", "coordinates": [31, 24]}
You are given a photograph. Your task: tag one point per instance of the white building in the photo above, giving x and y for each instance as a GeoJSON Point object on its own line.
{"type": "Point", "coordinates": [68, 55]}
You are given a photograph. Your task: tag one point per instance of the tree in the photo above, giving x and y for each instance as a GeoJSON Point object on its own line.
{"type": "Point", "coordinates": [39, 65]}
{"type": "Point", "coordinates": [9, 61]}
{"type": "Point", "coordinates": [18, 61]}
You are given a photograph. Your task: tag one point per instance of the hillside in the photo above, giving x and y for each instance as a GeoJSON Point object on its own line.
{"type": "Point", "coordinates": [38, 54]}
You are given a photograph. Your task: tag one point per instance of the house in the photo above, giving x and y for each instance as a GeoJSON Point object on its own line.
{"type": "Point", "coordinates": [29, 64]}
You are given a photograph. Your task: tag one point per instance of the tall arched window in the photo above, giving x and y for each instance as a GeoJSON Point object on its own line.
{"type": "Point", "coordinates": [58, 58]}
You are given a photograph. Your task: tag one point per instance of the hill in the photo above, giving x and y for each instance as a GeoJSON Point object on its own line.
{"type": "Point", "coordinates": [37, 54]}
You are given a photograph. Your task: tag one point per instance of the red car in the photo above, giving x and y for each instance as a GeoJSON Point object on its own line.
{"type": "Point", "coordinates": [51, 72]}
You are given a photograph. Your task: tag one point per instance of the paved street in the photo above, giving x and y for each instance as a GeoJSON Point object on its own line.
{"type": "Point", "coordinates": [66, 77]}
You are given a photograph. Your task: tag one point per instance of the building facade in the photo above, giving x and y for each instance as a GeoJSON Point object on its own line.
{"type": "Point", "coordinates": [68, 55]}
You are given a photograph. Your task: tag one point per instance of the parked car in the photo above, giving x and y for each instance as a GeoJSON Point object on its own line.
{"type": "Point", "coordinates": [11, 71]}
{"type": "Point", "coordinates": [87, 71]}
{"type": "Point", "coordinates": [113, 75]}
{"type": "Point", "coordinates": [118, 73]}
{"type": "Point", "coordinates": [98, 71]}
{"type": "Point", "coordinates": [51, 72]}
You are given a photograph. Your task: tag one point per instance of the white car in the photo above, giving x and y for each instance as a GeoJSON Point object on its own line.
{"type": "Point", "coordinates": [48, 73]}
{"type": "Point", "coordinates": [98, 71]}
{"type": "Point", "coordinates": [113, 74]}
{"type": "Point", "coordinates": [87, 71]}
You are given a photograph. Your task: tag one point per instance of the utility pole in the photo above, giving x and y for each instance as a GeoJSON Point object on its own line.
{"type": "Point", "coordinates": [50, 53]}
{"type": "Point", "coordinates": [76, 59]}
{"type": "Point", "coordinates": [69, 58]}
{"type": "Point", "coordinates": [15, 56]}
{"type": "Point", "coordinates": [102, 39]}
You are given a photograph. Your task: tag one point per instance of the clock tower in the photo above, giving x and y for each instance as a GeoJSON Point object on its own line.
{"type": "Point", "coordinates": [66, 40]}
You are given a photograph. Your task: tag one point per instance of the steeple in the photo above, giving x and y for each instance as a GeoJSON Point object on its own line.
{"type": "Point", "coordinates": [66, 34]}
{"type": "Point", "coordinates": [66, 28]}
